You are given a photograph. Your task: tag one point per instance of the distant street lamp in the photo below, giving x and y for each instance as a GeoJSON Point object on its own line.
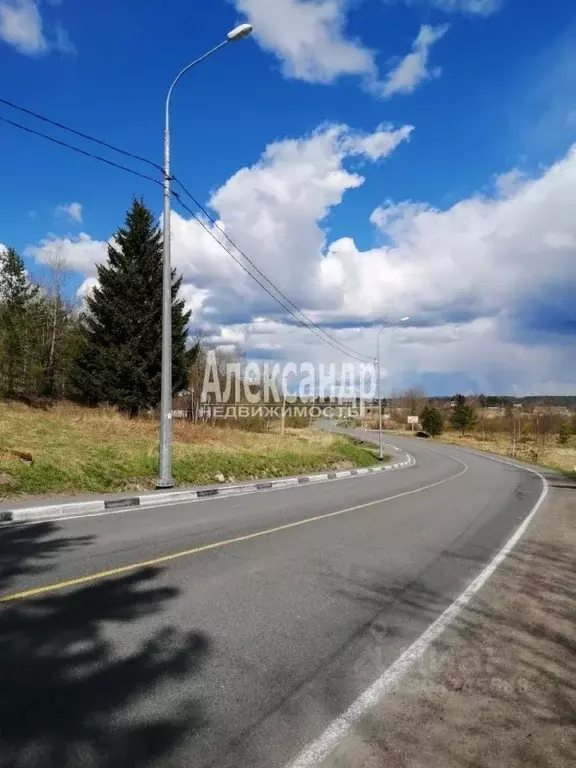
{"type": "Point", "coordinates": [377, 364]}
{"type": "Point", "coordinates": [165, 479]}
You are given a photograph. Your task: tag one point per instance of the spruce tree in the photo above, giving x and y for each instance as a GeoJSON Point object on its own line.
{"type": "Point", "coordinates": [432, 421]}
{"type": "Point", "coordinates": [121, 360]}
{"type": "Point", "coordinates": [463, 415]}
{"type": "Point", "coordinates": [18, 304]}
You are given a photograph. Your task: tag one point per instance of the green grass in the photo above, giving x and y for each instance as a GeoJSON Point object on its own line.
{"type": "Point", "coordinates": [85, 450]}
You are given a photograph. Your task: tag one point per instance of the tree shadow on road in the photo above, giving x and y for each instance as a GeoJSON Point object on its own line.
{"type": "Point", "coordinates": [498, 688]}
{"type": "Point", "coordinates": [75, 680]}
{"type": "Point", "coordinates": [29, 549]}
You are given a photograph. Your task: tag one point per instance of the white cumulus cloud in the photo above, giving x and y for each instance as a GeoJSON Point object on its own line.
{"type": "Point", "coordinates": [22, 27]}
{"type": "Point", "coordinates": [381, 143]}
{"type": "Point", "coordinates": [414, 68]}
{"type": "Point", "coordinates": [488, 283]}
{"type": "Point", "coordinates": [479, 258]}
{"type": "Point", "coordinates": [81, 253]}
{"type": "Point", "coordinates": [308, 37]}
{"type": "Point", "coordinates": [87, 287]}
{"type": "Point", "coordinates": [275, 208]}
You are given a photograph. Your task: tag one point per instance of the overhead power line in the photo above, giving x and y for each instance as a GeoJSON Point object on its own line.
{"type": "Point", "coordinates": [217, 226]}
{"type": "Point", "coordinates": [81, 134]}
{"type": "Point", "coordinates": [292, 308]}
{"type": "Point", "coordinates": [80, 151]}
{"type": "Point", "coordinates": [311, 326]}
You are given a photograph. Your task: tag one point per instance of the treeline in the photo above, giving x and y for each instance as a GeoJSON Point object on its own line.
{"type": "Point", "coordinates": [505, 401]}
{"type": "Point", "coordinates": [107, 351]}
{"type": "Point", "coordinates": [524, 424]}
{"type": "Point", "coordinates": [40, 331]}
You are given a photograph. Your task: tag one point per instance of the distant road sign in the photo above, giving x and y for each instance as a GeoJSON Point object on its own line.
{"type": "Point", "coordinates": [412, 419]}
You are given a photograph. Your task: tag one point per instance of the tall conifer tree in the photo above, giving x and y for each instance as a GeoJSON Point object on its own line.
{"type": "Point", "coordinates": [121, 360]}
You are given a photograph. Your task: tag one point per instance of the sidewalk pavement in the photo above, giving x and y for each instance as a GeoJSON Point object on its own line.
{"type": "Point", "coordinates": [498, 688]}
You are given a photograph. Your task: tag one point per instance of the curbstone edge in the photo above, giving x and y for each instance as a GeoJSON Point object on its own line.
{"type": "Point", "coordinates": [62, 511]}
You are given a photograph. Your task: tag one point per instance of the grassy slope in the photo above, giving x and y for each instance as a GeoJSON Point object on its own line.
{"type": "Point", "coordinates": [77, 450]}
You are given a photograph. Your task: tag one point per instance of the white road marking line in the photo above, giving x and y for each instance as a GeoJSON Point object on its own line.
{"type": "Point", "coordinates": [336, 732]}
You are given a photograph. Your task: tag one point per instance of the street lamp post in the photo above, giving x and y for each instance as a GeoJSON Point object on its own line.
{"type": "Point", "coordinates": [165, 479]}
{"type": "Point", "coordinates": [377, 364]}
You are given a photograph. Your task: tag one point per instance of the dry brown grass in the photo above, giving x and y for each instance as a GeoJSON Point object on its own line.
{"type": "Point", "coordinates": [550, 455]}
{"type": "Point", "coordinates": [80, 449]}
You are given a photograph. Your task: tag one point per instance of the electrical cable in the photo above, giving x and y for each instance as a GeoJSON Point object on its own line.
{"type": "Point", "coordinates": [306, 322]}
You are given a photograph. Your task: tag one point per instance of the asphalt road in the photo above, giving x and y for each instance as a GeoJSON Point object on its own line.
{"type": "Point", "coordinates": [241, 653]}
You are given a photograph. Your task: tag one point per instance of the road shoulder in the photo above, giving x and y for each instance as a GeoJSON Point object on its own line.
{"type": "Point", "coordinates": [499, 685]}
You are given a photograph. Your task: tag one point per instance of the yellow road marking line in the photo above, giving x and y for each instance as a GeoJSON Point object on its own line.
{"type": "Point", "coordinates": [207, 547]}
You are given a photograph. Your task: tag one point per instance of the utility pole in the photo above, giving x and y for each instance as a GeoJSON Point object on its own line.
{"type": "Point", "coordinates": [514, 423]}
{"type": "Point", "coordinates": [380, 452]}
{"type": "Point", "coordinates": [283, 412]}
{"type": "Point", "coordinates": [377, 365]}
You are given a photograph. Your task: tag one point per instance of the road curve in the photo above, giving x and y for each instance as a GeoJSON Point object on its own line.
{"type": "Point", "coordinates": [232, 632]}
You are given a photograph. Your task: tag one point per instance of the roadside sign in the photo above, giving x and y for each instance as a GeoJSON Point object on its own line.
{"type": "Point", "coordinates": [412, 419]}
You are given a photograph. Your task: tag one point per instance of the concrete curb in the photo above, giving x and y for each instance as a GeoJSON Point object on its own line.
{"type": "Point", "coordinates": [62, 511]}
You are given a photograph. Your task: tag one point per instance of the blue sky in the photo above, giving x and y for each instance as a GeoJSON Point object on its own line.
{"type": "Point", "coordinates": [434, 224]}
